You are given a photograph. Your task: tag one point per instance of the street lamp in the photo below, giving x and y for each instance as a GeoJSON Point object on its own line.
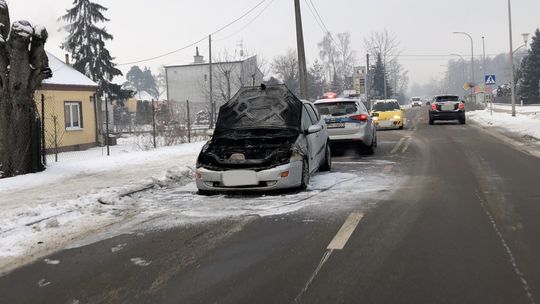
{"type": "Point", "coordinates": [525, 40]}
{"type": "Point", "coordinates": [512, 72]}
{"type": "Point", "coordinates": [472, 57]}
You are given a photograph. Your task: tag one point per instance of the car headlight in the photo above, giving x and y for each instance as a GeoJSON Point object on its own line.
{"type": "Point", "coordinates": [397, 117]}
{"type": "Point", "coordinates": [375, 118]}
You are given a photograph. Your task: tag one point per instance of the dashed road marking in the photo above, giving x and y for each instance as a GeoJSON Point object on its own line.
{"type": "Point", "coordinates": [406, 146]}
{"type": "Point", "coordinates": [343, 235]}
{"type": "Point", "coordinates": [396, 147]}
{"type": "Point", "coordinates": [338, 243]}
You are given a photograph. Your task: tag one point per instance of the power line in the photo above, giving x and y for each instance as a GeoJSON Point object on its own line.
{"type": "Point", "coordinates": [247, 24]}
{"type": "Point", "coordinates": [318, 17]}
{"type": "Point", "coordinates": [198, 41]}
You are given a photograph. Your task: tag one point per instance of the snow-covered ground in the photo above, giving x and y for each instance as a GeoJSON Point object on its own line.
{"type": "Point", "coordinates": [526, 109]}
{"type": "Point", "coordinates": [44, 211]}
{"type": "Point", "coordinates": [76, 202]}
{"type": "Point", "coordinates": [523, 124]}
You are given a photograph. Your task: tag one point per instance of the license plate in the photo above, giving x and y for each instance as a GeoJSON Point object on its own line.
{"type": "Point", "coordinates": [236, 178]}
{"type": "Point", "coordinates": [449, 107]}
{"type": "Point", "coordinates": [336, 125]}
{"type": "Point", "coordinates": [386, 123]}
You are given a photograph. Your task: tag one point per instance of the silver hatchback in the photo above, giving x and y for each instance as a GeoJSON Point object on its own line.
{"type": "Point", "coordinates": [349, 123]}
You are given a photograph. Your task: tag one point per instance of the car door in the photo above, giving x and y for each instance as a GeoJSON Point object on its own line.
{"type": "Point", "coordinates": [311, 139]}
{"type": "Point", "coordinates": [318, 140]}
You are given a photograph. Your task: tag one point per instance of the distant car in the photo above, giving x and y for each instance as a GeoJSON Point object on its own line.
{"type": "Point", "coordinates": [349, 123]}
{"type": "Point", "coordinates": [265, 139]}
{"type": "Point", "coordinates": [416, 102]}
{"type": "Point", "coordinates": [447, 107]}
{"type": "Point", "coordinates": [387, 114]}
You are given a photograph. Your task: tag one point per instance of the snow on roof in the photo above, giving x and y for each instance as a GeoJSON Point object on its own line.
{"type": "Point", "coordinates": [144, 96]}
{"type": "Point", "coordinates": [64, 74]}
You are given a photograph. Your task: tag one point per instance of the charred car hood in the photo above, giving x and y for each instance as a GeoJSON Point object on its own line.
{"type": "Point", "coordinates": [257, 149]}
{"type": "Point", "coordinates": [272, 107]}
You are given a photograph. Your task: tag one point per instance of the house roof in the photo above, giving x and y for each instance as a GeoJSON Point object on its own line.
{"type": "Point", "coordinates": [64, 75]}
{"type": "Point", "coordinates": [144, 96]}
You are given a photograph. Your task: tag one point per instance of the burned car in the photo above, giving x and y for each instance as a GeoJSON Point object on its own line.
{"type": "Point", "coordinates": [265, 139]}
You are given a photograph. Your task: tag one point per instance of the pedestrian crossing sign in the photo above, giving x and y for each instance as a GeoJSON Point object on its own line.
{"type": "Point", "coordinates": [490, 79]}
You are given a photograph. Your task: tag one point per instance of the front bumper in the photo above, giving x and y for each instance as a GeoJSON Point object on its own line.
{"type": "Point", "coordinates": [267, 180]}
{"type": "Point", "coordinates": [454, 115]}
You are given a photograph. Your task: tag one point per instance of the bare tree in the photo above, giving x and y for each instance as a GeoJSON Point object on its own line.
{"type": "Point", "coordinates": [23, 66]}
{"type": "Point", "coordinates": [286, 68]}
{"type": "Point", "coordinates": [348, 58]}
{"type": "Point", "coordinates": [329, 55]}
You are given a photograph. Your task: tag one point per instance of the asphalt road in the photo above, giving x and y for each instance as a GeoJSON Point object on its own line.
{"type": "Point", "coordinates": [462, 228]}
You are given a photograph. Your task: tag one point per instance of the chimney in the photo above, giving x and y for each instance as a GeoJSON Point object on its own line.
{"type": "Point", "coordinates": [67, 59]}
{"type": "Point", "coordinates": [198, 59]}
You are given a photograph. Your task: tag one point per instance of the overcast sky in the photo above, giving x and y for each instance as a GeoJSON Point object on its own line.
{"type": "Point", "coordinates": [146, 28]}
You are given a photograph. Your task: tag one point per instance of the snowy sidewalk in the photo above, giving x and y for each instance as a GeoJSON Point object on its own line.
{"type": "Point", "coordinates": [44, 211]}
{"type": "Point", "coordinates": [524, 124]}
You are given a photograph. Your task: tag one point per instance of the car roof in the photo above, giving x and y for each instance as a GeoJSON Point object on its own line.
{"type": "Point", "coordinates": [335, 100]}
{"type": "Point", "coordinates": [386, 100]}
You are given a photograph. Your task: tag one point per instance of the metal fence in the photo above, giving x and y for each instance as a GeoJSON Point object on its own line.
{"type": "Point", "coordinates": [78, 130]}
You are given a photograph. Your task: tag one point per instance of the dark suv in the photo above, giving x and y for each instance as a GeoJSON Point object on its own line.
{"type": "Point", "coordinates": [447, 107]}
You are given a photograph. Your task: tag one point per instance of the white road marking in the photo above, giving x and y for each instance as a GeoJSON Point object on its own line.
{"type": "Point", "coordinates": [343, 235]}
{"type": "Point", "coordinates": [396, 148]}
{"type": "Point", "coordinates": [51, 262]}
{"type": "Point", "coordinates": [407, 144]}
{"type": "Point", "coordinates": [140, 262]}
{"type": "Point", "coordinates": [43, 282]}
{"type": "Point", "coordinates": [509, 252]}
{"type": "Point", "coordinates": [338, 243]}
{"type": "Point", "coordinates": [118, 247]}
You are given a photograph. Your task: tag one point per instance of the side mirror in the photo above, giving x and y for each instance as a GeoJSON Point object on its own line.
{"type": "Point", "coordinates": [314, 129]}
{"type": "Point", "coordinates": [210, 132]}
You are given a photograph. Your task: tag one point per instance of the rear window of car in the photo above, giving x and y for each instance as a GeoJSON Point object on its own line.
{"type": "Point", "coordinates": [337, 108]}
{"type": "Point", "coordinates": [386, 106]}
{"type": "Point", "coordinates": [416, 99]}
{"type": "Point", "coordinates": [446, 98]}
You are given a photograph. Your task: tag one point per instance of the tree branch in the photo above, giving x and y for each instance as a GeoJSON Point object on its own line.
{"type": "Point", "coordinates": [38, 58]}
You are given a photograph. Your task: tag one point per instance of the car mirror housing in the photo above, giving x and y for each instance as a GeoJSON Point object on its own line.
{"type": "Point", "coordinates": [314, 129]}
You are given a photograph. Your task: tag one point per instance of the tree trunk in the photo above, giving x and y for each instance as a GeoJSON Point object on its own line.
{"type": "Point", "coordinates": [23, 66]}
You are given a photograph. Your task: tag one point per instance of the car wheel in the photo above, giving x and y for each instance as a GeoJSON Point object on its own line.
{"type": "Point", "coordinates": [305, 175]}
{"type": "Point", "coordinates": [327, 165]}
{"type": "Point", "coordinates": [401, 127]}
{"type": "Point", "coordinates": [371, 149]}
{"type": "Point", "coordinates": [462, 120]}
{"type": "Point", "coordinates": [431, 121]}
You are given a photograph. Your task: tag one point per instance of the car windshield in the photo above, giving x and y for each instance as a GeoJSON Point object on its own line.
{"type": "Point", "coordinates": [337, 108]}
{"type": "Point", "coordinates": [446, 98]}
{"type": "Point", "coordinates": [386, 106]}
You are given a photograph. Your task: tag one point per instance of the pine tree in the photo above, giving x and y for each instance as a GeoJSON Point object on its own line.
{"type": "Point", "coordinates": [378, 80]}
{"type": "Point", "coordinates": [529, 74]}
{"type": "Point", "coordinates": [142, 80]}
{"type": "Point", "coordinates": [86, 43]}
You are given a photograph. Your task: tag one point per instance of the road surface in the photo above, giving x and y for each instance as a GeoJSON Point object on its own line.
{"type": "Point", "coordinates": [461, 225]}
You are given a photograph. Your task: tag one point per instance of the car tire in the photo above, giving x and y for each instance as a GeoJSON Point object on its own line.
{"type": "Point", "coordinates": [327, 164]}
{"type": "Point", "coordinates": [401, 127]}
{"type": "Point", "coordinates": [431, 121]}
{"type": "Point", "coordinates": [305, 175]}
{"type": "Point", "coordinates": [370, 150]}
{"type": "Point", "coordinates": [462, 121]}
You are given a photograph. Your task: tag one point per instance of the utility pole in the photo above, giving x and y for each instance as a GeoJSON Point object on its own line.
{"type": "Point", "coordinates": [107, 125]}
{"type": "Point", "coordinates": [302, 69]}
{"type": "Point", "coordinates": [512, 76]}
{"type": "Point", "coordinates": [212, 107]}
{"type": "Point", "coordinates": [368, 85]}
{"type": "Point", "coordinates": [188, 122]}
{"type": "Point", "coordinates": [154, 122]}
{"type": "Point", "coordinates": [484, 58]}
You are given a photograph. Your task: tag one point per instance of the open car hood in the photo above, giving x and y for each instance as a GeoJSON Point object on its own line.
{"type": "Point", "coordinates": [271, 107]}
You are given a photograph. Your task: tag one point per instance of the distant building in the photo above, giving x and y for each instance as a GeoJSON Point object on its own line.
{"type": "Point", "coordinates": [70, 109]}
{"type": "Point", "coordinates": [191, 81]}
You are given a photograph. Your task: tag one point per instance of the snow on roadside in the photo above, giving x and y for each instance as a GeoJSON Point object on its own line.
{"type": "Point", "coordinates": [526, 109]}
{"type": "Point", "coordinates": [522, 124]}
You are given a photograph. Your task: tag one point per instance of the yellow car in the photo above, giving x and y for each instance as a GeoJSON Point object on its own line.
{"type": "Point", "coordinates": [387, 114]}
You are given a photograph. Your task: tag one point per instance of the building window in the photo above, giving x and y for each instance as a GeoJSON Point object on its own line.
{"type": "Point", "coordinates": [73, 115]}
